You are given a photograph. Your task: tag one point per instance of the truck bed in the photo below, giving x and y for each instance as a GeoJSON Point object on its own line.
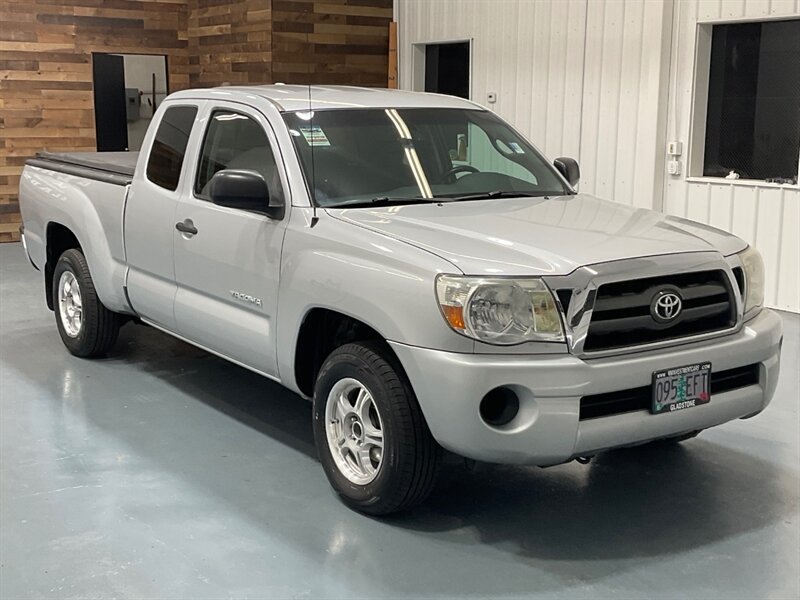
{"type": "Point", "coordinates": [110, 167]}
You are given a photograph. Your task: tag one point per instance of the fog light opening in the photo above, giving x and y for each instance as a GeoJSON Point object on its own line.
{"type": "Point", "coordinates": [499, 407]}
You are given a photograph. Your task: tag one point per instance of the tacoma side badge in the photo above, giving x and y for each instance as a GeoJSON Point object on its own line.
{"type": "Point", "coordinates": [246, 298]}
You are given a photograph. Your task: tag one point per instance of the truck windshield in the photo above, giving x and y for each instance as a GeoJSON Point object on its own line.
{"type": "Point", "coordinates": [365, 156]}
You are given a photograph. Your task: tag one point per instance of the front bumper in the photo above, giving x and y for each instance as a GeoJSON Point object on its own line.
{"type": "Point", "coordinates": [547, 430]}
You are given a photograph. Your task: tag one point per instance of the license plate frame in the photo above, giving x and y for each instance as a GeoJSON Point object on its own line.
{"type": "Point", "coordinates": [679, 388]}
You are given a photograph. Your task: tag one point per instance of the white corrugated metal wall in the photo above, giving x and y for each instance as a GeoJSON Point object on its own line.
{"type": "Point", "coordinates": [623, 111]}
{"type": "Point", "coordinates": [595, 79]}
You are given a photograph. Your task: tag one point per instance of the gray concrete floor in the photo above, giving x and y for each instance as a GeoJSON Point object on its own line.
{"type": "Point", "coordinates": [164, 472]}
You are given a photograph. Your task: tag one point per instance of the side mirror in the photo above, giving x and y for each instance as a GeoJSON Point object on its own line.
{"type": "Point", "coordinates": [243, 189]}
{"type": "Point", "coordinates": [569, 168]}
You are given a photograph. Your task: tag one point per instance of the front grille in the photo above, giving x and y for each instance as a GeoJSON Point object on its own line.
{"type": "Point", "coordinates": [614, 403]}
{"type": "Point", "coordinates": [622, 317]}
{"type": "Point", "coordinates": [738, 273]}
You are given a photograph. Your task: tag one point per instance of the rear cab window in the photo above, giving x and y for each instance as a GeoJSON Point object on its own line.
{"type": "Point", "coordinates": [169, 147]}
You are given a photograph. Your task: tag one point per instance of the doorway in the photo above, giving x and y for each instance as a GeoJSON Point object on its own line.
{"type": "Point", "coordinates": [443, 68]}
{"type": "Point", "coordinates": [128, 88]}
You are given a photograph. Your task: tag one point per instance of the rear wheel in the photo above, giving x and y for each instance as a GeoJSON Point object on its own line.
{"type": "Point", "coordinates": [371, 436]}
{"type": "Point", "coordinates": [87, 328]}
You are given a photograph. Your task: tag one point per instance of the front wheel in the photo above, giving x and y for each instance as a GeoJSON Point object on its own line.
{"type": "Point", "coordinates": [371, 436]}
{"type": "Point", "coordinates": [87, 328]}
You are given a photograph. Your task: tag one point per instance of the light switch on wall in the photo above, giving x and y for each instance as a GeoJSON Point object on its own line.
{"type": "Point", "coordinates": [674, 148]}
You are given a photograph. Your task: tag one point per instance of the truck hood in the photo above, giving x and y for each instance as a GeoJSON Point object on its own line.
{"type": "Point", "coordinates": [538, 236]}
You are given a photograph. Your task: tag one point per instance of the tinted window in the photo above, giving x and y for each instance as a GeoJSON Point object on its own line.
{"type": "Point", "coordinates": [752, 123]}
{"type": "Point", "coordinates": [235, 141]}
{"type": "Point", "coordinates": [169, 147]}
{"type": "Point", "coordinates": [355, 155]}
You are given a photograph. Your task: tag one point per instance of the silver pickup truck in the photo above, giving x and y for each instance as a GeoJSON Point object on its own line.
{"type": "Point", "coordinates": [415, 266]}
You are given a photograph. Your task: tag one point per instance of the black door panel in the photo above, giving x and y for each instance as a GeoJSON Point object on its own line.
{"type": "Point", "coordinates": [110, 119]}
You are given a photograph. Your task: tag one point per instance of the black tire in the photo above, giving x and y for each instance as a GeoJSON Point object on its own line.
{"type": "Point", "coordinates": [411, 457]}
{"type": "Point", "coordinates": [99, 327]}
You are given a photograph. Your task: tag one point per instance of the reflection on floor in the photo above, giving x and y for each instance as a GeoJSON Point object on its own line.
{"type": "Point", "coordinates": [164, 472]}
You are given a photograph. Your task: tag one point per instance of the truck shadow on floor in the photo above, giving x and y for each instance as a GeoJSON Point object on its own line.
{"type": "Point", "coordinates": [252, 399]}
{"type": "Point", "coordinates": [640, 502]}
{"type": "Point", "coordinates": [637, 502]}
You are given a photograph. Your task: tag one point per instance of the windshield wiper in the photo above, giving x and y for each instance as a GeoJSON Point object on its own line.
{"type": "Point", "coordinates": [500, 194]}
{"type": "Point", "coordinates": [390, 200]}
{"type": "Point", "coordinates": [385, 201]}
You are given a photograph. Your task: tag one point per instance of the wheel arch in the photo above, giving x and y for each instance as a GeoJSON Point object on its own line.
{"type": "Point", "coordinates": [58, 239]}
{"type": "Point", "coordinates": [321, 331]}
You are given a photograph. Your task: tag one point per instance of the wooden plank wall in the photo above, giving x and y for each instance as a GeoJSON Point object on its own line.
{"type": "Point", "coordinates": [46, 99]}
{"type": "Point", "coordinates": [289, 41]}
{"type": "Point", "coordinates": [230, 42]}
{"type": "Point", "coordinates": [331, 41]}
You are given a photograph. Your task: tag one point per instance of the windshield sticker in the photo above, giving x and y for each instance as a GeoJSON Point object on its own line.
{"type": "Point", "coordinates": [315, 136]}
{"type": "Point", "coordinates": [516, 147]}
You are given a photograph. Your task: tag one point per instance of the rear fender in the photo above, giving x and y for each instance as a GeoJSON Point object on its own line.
{"type": "Point", "coordinates": [92, 211]}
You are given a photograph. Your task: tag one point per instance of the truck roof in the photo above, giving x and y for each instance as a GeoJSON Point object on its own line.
{"type": "Point", "coordinates": [290, 98]}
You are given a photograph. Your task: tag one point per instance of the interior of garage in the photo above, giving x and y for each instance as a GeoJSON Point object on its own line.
{"type": "Point", "coordinates": [163, 471]}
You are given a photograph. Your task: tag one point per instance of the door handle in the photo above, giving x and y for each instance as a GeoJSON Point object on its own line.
{"type": "Point", "coordinates": [186, 227]}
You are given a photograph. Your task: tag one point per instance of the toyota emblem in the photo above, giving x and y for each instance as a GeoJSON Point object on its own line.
{"type": "Point", "coordinates": [666, 306]}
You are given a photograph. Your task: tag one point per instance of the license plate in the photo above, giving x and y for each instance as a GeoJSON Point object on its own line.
{"type": "Point", "coordinates": [681, 388]}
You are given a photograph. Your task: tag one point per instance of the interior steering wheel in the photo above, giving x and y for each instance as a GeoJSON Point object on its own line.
{"type": "Point", "coordinates": [456, 170]}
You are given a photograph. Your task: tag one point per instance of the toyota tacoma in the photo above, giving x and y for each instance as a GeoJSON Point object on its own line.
{"type": "Point", "coordinates": [413, 265]}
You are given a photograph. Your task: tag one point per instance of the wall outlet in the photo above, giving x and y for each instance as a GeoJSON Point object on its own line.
{"type": "Point", "coordinates": [674, 167]}
{"type": "Point", "coordinates": [674, 148]}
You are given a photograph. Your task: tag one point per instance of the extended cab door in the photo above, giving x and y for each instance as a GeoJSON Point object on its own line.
{"type": "Point", "coordinates": [227, 260]}
{"type": "Point", "coordinates": [149, 224]}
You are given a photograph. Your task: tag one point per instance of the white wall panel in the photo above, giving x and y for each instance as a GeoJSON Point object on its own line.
{"type": "Point", "coordinates": [624, 100]}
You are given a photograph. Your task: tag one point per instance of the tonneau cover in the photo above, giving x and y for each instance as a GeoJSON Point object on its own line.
{"type": "Point", "coordinates": [110, 167]}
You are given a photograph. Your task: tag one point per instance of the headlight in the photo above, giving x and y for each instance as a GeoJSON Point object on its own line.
{"type": "Point", "coordinates": [753, 266]}
{"type": "Point", "coordinates": [500, 311]}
